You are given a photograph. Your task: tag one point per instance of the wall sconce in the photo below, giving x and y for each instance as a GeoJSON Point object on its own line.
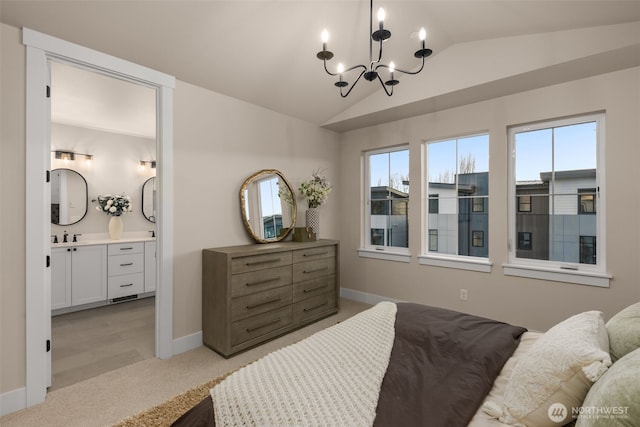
{"type": "Point", "coordinates": [150, 163]}
{"type": "Point", "coordinates": [70, 155]}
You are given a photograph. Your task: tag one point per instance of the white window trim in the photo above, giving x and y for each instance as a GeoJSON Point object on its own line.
{"type": "Point", "coordinates": [581, 274]}
{"type": "Point", "coordinates": [461, 262]}
{"type": "Point", "coordinates": [367, 250]}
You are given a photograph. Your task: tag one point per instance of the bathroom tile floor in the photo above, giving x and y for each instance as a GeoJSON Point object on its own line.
{"type": "Point", "coordinates": [91, 342]}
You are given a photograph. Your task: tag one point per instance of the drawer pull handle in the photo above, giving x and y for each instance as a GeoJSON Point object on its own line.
{"type": "Point", "coordinates": [126, 249]}
{"type": "Point", "coordinates": [250, 307]}
{"type": "Point", "coordinates": [126, 265]}
{"type": "Point", "coordinates": [316, 306]}
{"type": "Point", "coordinates": [263, 326]}
{"type": "Point", "coordinates": [317, 269]}
{"type": "Point", "coordinates": [317, 254]}
{"type": "Point", "coordinates": [266, 261]}
{"type": "Point", "coordinates": [126, 286]}
{"type": "Point", "coordinates": [314, 289]}
{"type": "Point", "coordinates": [262, 281]}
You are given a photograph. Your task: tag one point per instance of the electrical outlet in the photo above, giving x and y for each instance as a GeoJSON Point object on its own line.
{"type": "Point", "coordinates": [464, 294]}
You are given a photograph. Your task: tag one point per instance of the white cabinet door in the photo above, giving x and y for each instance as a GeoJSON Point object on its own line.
{"type": "Point", "coordinates": [149, 266]}
{"type": "Point", "coordinates": [89, 274]}
{"type": "Point", "coordinates": [60, 278]}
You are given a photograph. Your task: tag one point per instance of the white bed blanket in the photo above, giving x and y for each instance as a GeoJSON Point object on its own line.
{"type": "Point", "coordinates": [331, 378]}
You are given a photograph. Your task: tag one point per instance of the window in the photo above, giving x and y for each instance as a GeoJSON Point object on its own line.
{"type": "Point", "coordinates": [524, 203]}
{"type": "Point", "coordinates": [477, 239]}
{"type": "Point", "coordinates": [388, 199]}
{"type": "Point", "coordinates": [554, 190]}
{"type": "Point", "coordinates": [458, 178]}
{"type": "Point", "coordinates": [433, 240]}
{"type": "Point", "coordinates": [524, 241]}
{"type": "Point", "coordinates": [587, 201]}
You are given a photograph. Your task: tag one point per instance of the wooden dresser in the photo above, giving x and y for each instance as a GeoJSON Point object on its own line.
{"type": "Point", "coordinates": [254, 293]}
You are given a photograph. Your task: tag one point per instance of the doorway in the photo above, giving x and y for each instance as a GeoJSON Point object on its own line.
{"type": "Point", "coordinates": [40, 48]}
{"type": "Point", "coordinates": [103, 141]}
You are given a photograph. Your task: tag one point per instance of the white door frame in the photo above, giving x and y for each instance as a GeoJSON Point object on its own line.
{"type": "Point", "coordinates": [39, 49]}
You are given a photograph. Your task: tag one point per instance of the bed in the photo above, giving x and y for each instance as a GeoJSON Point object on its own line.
{"type": "Point", "coordinates": [409, 364]}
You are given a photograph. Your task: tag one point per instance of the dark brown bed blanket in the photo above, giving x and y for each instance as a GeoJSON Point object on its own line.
{"type": "Point", "coordinates": [442, 365]}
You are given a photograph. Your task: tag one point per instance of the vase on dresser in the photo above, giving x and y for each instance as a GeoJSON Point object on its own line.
{"type": "Point", "coordinates": [312, 220]}
{"type": "Point", "coordinates": [115, 227]}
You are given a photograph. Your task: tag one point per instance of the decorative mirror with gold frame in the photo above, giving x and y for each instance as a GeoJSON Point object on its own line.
{"type": "Point", "coordinates": [268, 206]}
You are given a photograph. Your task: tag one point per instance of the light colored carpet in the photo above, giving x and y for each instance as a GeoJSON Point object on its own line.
{"type": "Point", "coordinates": [111, 397]}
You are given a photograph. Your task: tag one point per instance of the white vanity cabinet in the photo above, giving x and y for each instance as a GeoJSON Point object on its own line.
{"type": "Point", "coordinates": [78, 275]}
{"type": "Point", "coordinates": [126, 270]}
{"type": "Point", "coordinates": [150, 266]}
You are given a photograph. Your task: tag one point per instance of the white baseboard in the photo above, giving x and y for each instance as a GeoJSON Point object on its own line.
{"type": "Point", "coordinates": [364, 297]}
{"type": "Point", "coordinates": [13, 401]}
{"type": "Point", "coordinates": [187, 342]}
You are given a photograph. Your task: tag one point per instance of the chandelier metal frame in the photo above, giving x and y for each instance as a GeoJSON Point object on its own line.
{"type": "Point", "coordinates": [371, 73]}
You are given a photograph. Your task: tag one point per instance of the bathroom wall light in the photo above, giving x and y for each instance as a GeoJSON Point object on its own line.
{"type": "Point", "coordinates": [150, 163]}
{"type": "Point", "coordinates": [70, 155]}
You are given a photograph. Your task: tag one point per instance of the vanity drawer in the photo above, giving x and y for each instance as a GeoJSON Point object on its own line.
{"type": "Point", "coordinates": [259, 325]}
{"type": "Point", "coordinates": [260, 262]}
{"type": "Point", "coordinates": [257, 281]}
{"type": "Point", "coordinates": [126, 248]}
{"type": "Point", "coordinates": [313, 287]}
{"type": "Point", "coordinates": [312, 269]}
{"type": "Point", "coordinates": [125, 264]}
{"type": "Point", "coordinates": [122, 286]}
{"type": "Point", "coordinates": [311, 254]}
{"type": "Point", "coordinates": [260, 302]}
{"type": "Point", "coordinates": [312, 307]}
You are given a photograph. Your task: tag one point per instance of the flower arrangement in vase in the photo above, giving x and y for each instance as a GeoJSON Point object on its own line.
{"type": "Point", "coordinates": [115, 207]}
{"type": "Point", "coordinates": [315, 191]}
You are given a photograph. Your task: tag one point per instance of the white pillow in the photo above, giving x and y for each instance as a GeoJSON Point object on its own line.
{"type": "Point", "coordinates": [556, 374]}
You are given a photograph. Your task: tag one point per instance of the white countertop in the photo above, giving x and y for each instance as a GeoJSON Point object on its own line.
{"type": "Point", "coordinates": [99, 240]}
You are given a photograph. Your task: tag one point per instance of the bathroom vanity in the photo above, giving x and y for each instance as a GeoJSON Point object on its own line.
{"type": "Point", "coordinates": [99, 272]}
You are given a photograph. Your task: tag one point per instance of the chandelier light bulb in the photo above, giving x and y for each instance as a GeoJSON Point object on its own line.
{"type": "Point", "coordinates": [381, 15]}
{"type": "Point", "coordinates": [325, 36]}
{"type": "Point", "coordinates": [392, 67]}
{"type": "Point", "coordinates": [422, 35]}
{"type": "Point", "coordinates": [340, 68]}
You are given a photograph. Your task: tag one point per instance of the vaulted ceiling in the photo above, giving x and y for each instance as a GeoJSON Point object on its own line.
{"type": "Point", "coordinates": [264, 52]}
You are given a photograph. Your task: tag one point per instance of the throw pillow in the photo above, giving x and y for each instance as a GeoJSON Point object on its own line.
{"type": "Point", "coordinates": [624, 331]}
{"type": "Point", "coordinates": [556, 374]}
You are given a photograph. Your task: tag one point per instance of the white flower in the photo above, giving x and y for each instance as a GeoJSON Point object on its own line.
{"type": "Point", "coordinates": [112, 209]}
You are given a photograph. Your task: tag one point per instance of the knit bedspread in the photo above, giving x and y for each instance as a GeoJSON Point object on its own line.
{"type": "Point", "coordinates": [331, 378]}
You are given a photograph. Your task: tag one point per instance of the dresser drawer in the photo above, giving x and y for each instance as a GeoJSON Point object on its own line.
{"type": "Point", "coordinates": [313, 287]}
{"type": "Point", "coordinates": [311, 254]}
{"type": "Point", "coordinates": [260, 302]}
{"type": "Point", "coordinates": [312, 307]}
{"type": "Point", "coordinates": [126, 248]}
{"type": "Point", "coordinates": [260, 262]}
{"type": "Point", "coordinates": [125, 264]}
{"type": "Point", "coordinates": [261, 280]}
{"type": "Point", "coordinates": [122, 286]}
{"type": "Point", "coordinates": [312, 269]}
{"type": "Point", "coordinates": [262, 324]}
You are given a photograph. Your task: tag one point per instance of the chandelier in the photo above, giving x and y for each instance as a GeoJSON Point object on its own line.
{"type": "Point", "coordinates": [371, 72]}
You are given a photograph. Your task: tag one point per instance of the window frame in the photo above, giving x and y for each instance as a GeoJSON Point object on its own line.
{"type": "Point", "coordinates": [584, 274]}
{"type": "Point", "coordinates": [367, 249]}
{"type": "Point", "coordinates": [429, 257]}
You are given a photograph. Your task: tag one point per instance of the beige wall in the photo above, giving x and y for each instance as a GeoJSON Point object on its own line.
{"type": "Point", "coordinates": [218, 142]}
{"type": "Point", "coordinates": [535, 304]}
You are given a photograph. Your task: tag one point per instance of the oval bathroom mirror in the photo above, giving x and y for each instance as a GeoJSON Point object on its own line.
{"type": "Point", "coordinates": [149, 199]}
{"type": "Point", "coordinates": [69, 198]}
{"type": "Point", "coordinates": [268, 206]}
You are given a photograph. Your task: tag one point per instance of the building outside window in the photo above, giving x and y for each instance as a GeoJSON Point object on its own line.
{"type": "Point", "coordinates": [555, 164]}
{"type": "Point", "coordinates": [433, 240]}
{"type": "Point", "coordinates": [388, 198]}
{"type": "Point", "coordinates": [433, 204]}
{"type": "Point", "coordinates": [458, 178]}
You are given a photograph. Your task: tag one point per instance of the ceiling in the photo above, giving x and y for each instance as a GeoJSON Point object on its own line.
{"type": "Point", "coordinates": [263, 52]}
